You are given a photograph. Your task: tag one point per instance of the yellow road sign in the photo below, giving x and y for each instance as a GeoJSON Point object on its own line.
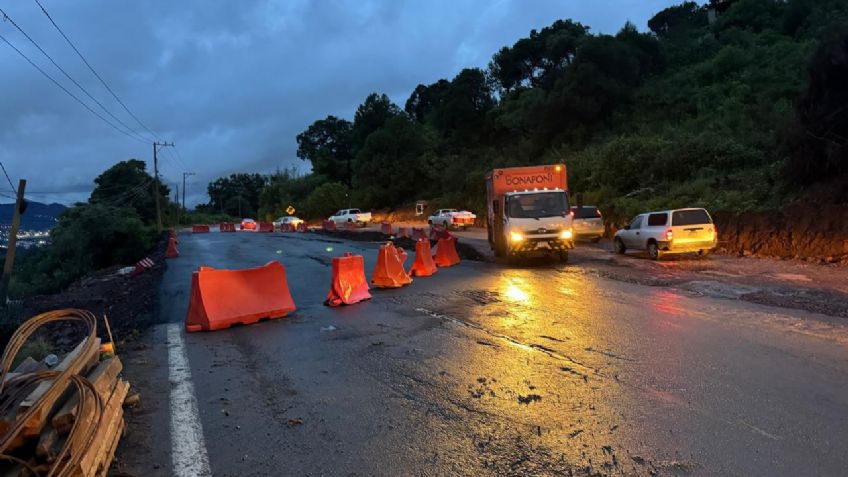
{"type": "Point", "coordinates": [290, 210]}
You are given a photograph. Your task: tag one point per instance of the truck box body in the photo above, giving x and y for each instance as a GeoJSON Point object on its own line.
{"type": "Point", "coordinates": [515, 179]}
{"type": "Point", "coordinates": [528, 210]}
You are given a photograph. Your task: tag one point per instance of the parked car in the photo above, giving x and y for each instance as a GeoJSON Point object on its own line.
{"type": "Point", "coordinates": [588, 223]}
{"type": "Point", "coordinates": [351, 215]}
{"type": "Point", "coordinates": [452, 218]}
{"type": "Point", "coordinates": [287, 220]}
{"type": "Point", "coordinates": [248, 224]}
{"type": "Point", "coordinates": [669, 231]}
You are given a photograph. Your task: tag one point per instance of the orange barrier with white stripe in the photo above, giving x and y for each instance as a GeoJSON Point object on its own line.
{"type": "Point", "coordinates": [199, 229]}
{"type": "Point", "coordinates": [227, 227]}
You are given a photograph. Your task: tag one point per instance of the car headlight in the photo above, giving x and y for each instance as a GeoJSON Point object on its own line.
{"type": "Point", "coordinates": [566, 234]}
{"type": "Point", "coordinates": [516, 236]}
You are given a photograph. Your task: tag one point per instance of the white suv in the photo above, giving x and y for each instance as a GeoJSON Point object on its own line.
{"type": "Point", "coordinates": [668, 231]}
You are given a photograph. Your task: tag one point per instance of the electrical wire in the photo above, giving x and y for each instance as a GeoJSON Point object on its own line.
{"type": "Point", "coordinates": [12, 186]}
{"type": "Point", "coordinates": [94, 72]}
{"type": "Point", "coordinates": [67, 75]}
{"type": "Point", "coordinates": [72, 95]}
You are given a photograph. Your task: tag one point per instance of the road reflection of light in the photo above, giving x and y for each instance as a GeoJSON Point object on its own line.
{"type": "Point", "coordinates": [667, 302]}
{"type": "Point", "coordinates": [515, 288]}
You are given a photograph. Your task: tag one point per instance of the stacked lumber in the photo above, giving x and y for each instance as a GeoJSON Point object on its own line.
{"type": "Point", "coordinates": [66, 420]}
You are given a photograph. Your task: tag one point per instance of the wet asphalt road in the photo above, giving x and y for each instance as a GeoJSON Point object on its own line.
{"type": "Point", "coordinates": [488, 370]}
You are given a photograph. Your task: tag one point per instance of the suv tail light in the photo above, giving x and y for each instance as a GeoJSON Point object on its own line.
{"type": "Point", "coordinates": [669, 235]}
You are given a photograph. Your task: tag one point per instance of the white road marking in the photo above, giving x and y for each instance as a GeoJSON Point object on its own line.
{"type": "Point", "coordinates": [188, 448]}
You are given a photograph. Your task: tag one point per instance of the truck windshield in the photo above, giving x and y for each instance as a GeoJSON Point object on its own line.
{"type": "Point", "coordinates": [536, 206]}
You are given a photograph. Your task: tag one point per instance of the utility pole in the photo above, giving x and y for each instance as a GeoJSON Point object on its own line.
{"type": "Point", "coordinates": [12, 244]}
{"type": "Point", "coordinates": [177, 201]}
{"type": "Point", "coordinates": [185, 174]}
{"type": "Point", "coordinates": [156, 146]}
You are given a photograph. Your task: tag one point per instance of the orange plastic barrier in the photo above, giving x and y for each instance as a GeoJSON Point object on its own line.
{"type": "Point", "coordinates": [403, 232]}
{"type": "Point", "coordinates": [200, 228]}
{"type": "Point", "coordinates": [348, 285]}
{"type": "Point", "coordinates": [222, 298]}
{"type": "Point", "coordinates": [386, 228]}
{"type": "Point", "coordinates": [438, 232]}
{"type": "Point", "coordinates": [418, 234]}
{"type": "Point", "coordinates": [389, 272]}
{"type": "Point", "coordinates": [423, 266]}
{"type": "Point", "coordinates": [265, 227]}
{"type": "Point", "coordinates": [301, 227]}
{"type": "Point", "coordinates": [446, 255]}
{"type": "Point", "coordinates": [349, 226]}
{"type": "Point", "coordinates": [172, 251]}
{"type": "Point", "coordinates": [227, 227]}
{"type": "Point", "coordinates": [329, 226]}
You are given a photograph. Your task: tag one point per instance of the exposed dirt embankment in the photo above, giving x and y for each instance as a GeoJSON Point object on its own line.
{"type": "Point", "coordinates": [129, 302]}
{"type": "Point", "coordinates": [799, 231]}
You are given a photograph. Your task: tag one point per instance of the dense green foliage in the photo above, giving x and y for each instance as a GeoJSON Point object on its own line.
{"type": "Point", "coordinates": [115, 227]}
{"type": "Point", "coordinates": [733, 105]}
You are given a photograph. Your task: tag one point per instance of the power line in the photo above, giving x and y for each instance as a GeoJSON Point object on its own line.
{"type": "Point", "coordinates": [91, 68]}
{"type": "Point", "coordinates": [7, 17]}
{"type": "Point", "coordinates": [72, 95]}
{"type": "Point", "coordinates": [12, 186]}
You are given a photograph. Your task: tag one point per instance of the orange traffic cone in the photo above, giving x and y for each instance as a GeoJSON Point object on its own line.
{"type": "Point", "coordinates": [446, 255]}
{"type": "Point", "coordinates": [423, 265]}
{"type": "Point", "coordinates": [172, 251]}
{"type": "Point", "coordinates": [348, 285]}
{"type": "Point", "coordinates": [389, 272]}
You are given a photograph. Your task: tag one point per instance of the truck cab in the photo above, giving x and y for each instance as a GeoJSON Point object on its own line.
{"type": "Point", "coordinates": [530, 221]}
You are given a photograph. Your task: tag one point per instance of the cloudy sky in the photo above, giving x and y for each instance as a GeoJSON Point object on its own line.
{"type": "Point", "coordinates": [233, 82]}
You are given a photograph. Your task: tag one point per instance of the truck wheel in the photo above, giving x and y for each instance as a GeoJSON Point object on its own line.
{"type": "Point", "coordinates": [563, 257]}
{"type": "Point", "coordinates": [430, 223]}
{"type": "Point", "coordinates": [703, 252]}
{"type": "Point", "coordinates": [596, 240]}
{"type": "Point", "coordinates": [619, 246]}
{"type": "Point", "coordinates": [653, 251]}
{"type": "Point", "coordinates": [445, 223]}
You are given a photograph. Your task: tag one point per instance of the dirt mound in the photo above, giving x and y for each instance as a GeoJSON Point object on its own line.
{"type": "Point", "coordinates": [129, 302]}
{"type": "Point", "coordinates": [466, 252]}
{"type": "Point", "coordinates": [818, 232]}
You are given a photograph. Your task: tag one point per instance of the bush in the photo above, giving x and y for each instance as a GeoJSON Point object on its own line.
{"type": "Point", "coordinates": [88, 237]}
{"type": "Point", "coordinates": [326, 199]}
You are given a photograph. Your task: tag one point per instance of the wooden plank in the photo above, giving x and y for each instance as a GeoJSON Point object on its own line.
{"type": "Point", "coordinates": [33, 427]}
{"type": "Point", "coordinates": [103, 377]}
{"type": "Point", "coordinates": [29, 365]}
{"type": "Point", "coordinates": [112, 417]}
{"type": "Point", "coordinates": [46, 448]}
{"type": "Point", "coordinates": [110, 452]}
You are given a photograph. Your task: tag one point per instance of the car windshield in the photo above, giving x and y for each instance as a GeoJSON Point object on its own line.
{"type": "Point", "coordinates": [586, 212]}
{"type": "Point", "coordinates": [534, 206]}
{"type": "Point", "coordinates": [690, 217]}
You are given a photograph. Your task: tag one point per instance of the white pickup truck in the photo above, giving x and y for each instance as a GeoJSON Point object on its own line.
{"type": "Point", "coordinates": [351, 215]}
{"type": "Point", "coordinates": [452, 218]}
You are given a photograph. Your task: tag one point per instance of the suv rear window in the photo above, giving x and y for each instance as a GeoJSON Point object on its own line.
{"type": "Point", "coordinates": [657, 220]}
{"type": "Point", "coordinates": [690, 217]}
{"type": "Point", "coordinates": [586, 212]}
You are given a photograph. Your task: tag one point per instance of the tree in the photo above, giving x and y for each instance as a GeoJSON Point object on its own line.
{"type": "Point", "coordinates": [464, 105]}
{"type": "Point", "coordinates": [371, 115]}
{"type": "Point", "coordinates": [819, 149]}
{"type": "Point", "coordinates": [426, 99]}
{"type": "Point", "coordinates": [326, 199]}
{"type": "Point", "coordinates": [127, 184]}
{"type": "Point", "coordinates": [326, 143]}
{"type": "Point", "coordinates": [678, 19]}
{"type": "Point", "coordinates": [236, 195]}
{"type": "Point", "coordinates": [394, 165]}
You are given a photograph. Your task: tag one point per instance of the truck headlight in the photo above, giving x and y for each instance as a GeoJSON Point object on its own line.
{"type": "Point", "coordinates": [566, 234]}
{"type": "Point", "coordinates": [516, 236]}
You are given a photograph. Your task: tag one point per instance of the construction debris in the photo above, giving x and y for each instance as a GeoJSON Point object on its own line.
{"type": "Point", "coordinates": [61, 421]}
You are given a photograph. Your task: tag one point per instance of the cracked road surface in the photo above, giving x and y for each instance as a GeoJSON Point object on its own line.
{"type": "Point", "coordinates": [488, 370]}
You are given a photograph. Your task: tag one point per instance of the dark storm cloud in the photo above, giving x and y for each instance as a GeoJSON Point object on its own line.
{"type": "Point", "coordinates": [232, 83]}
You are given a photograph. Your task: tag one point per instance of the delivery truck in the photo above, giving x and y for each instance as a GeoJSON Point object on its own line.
{"type": "Point", "coordinates": [529, 212]}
